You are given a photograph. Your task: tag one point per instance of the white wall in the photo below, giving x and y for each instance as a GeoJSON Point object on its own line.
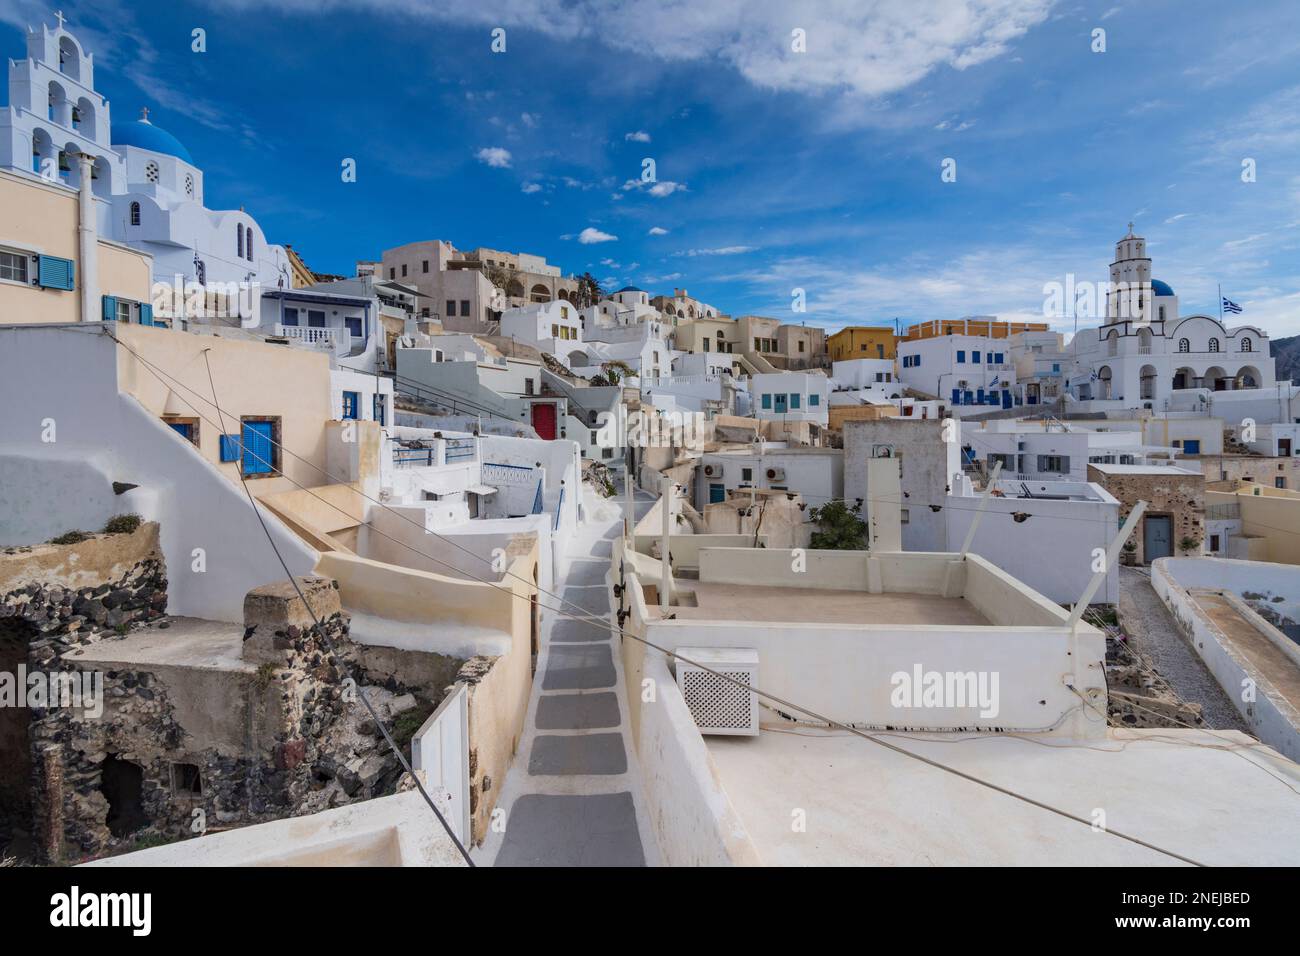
{"type": "Point", "coordinates": [98, 428]}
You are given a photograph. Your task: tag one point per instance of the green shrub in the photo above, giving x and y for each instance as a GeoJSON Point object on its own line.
{"type": "Point", "coordinates": [71, 537]}
{"type": "Point", "coordinates": [123, 524]}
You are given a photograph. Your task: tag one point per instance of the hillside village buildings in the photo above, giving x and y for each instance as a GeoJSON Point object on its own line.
{"type": "Point", "coordinates": [503, 509]}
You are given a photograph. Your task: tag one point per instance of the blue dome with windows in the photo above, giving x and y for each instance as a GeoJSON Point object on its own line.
{"type": "Point", "coordinates": [144, 135]}
{"type": "Point", "coordinates": [1160, 288]}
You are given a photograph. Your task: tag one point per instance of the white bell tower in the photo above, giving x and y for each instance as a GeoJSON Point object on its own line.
{"type": "Point", "coordinates": [1129, 295]}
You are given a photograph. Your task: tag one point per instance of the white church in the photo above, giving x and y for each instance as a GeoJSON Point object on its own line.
{"type": "Point", "coordinates": [1145, 351]}
{"type": "Point", "coordinates": [148, 191]}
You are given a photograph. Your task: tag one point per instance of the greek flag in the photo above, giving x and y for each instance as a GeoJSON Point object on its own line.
{"type": "Point", "coordinates": [1230, 306]}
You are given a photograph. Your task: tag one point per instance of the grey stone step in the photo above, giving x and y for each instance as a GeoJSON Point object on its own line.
{"type": "Point", "coordinates": [579, 667]}
{"type": "Point", "coordinates": [593, 600]}
{"type": "Point", "coordinates": [577, 755]}
{"type": "Point", "coordinates": [577, 711]}
{"type": "Point", "coordinates": [592, 830]}
{"type": "Point", "coordinates": [580, 631]}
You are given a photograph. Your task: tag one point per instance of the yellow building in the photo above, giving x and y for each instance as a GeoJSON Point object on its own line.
{"type": "Point", "coordinates": [983, 325]}
{"type": "Point", "coordinates": [41, 268]}
{"type": "Point", "coordinates": [861, 341]}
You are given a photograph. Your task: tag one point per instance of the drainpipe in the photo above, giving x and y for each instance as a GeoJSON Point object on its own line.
{"type": "Point", "coordinates": [87, 240]}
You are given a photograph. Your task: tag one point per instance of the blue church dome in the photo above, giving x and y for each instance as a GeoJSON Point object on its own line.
{"type": "Point", "coordinates": [1160, 288]}
{"type": "Point", "coordinates": [145, 135]}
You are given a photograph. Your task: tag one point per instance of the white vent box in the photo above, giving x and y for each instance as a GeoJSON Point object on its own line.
{"type": "Point", "coordinates": [718, 705]}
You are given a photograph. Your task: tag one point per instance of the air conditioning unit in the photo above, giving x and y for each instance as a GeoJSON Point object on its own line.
{"type": "Point", "coordinates": [882, 451]}
{"type": "Point", "coordinates": [712, 471]}
{"type": "Point", "coordinates": [776, 474]}
{"type": "Point", "coordinates": [717, 705]}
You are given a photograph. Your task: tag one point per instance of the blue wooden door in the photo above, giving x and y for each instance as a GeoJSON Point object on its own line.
{"type": "Point", "coordinates": [259, 453]}
{"type": "Point", "coordinates": [780, 403]}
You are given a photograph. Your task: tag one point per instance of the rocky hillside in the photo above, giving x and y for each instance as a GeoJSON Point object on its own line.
{"type": "Point", "coordinates": [1287, 354]}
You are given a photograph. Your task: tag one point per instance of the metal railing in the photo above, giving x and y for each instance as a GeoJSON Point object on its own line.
{"type": "Point", "coordinates": [312, 335]}
{"type": "Point", "coordinates": [460, 449]}
{"type": "Point", "coordinates": [498, 473]}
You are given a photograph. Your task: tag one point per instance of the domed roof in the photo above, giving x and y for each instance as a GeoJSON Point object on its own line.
{"type": "Point", "coordinates": [1160, 288]}
{"type": "Point", "coordinates": [628, 288]}
{"type": "Point", "coordinates": [144, 135]}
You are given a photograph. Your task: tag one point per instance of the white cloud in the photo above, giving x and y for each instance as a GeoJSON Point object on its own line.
{"type": "Point", "coordinates": [719, 251]}
{"type": "Point", "coordinates": [1181, 215]}
{"type": "Point", "coordinates": [872, 49]}
{"type": "Point", "coordinates": [591, 235]}
{"type": "Point", "coordinates": [658, 231]}
{"type": "Point", "coordinates": [495, 156]}
{"type": "Point", "coordinates": [660, 189]}
{"type": "Point", "coordinates": [529, 119]}
{"type": "Point", "coordinates": [530, 188]}
{"type": "Point", "coordinates": [640, 136]}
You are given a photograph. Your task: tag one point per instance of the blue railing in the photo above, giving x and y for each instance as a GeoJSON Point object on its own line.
{"type": "Point", "coordinates": [458, 449]}
{"type": "Point", "coordinates": [537, 498]}
{"type": "Point", "coordinates": [558, 509]}
{"type": "Point", "coordinates": [415, 456]}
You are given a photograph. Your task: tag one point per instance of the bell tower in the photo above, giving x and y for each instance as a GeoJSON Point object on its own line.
{"type": "Point", "coordinates": [1129, 295]}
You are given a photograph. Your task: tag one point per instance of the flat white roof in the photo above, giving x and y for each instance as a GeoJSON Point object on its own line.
{"type": "Point", "coordinates": [1142, 469]}
{"type": "Point", "coordinates": [866, 805]}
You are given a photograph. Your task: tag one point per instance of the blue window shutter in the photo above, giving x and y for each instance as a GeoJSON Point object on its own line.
{"type": "Point", "coordinates": [794, 399]}
{"type": "Point", "coordinates": [814, 399]}
{"type": "Point", "coordinates": [146, 313]}
{"type": "Point", "coordinates": [259, 457]}
{"type": "Point", "coordinates": [767, 400]}
{"type": "Point", "coordinates": [230, 448]}
{"type": "Point", "coordinates": [55, 273]}
{"type": "Point", "coordinates": [109, 308]}
{"type": "Point", "coordinates": [961, 355]}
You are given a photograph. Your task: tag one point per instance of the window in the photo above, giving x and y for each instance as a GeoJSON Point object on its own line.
{"type": "Point", "coordinates": [794, 399]}
{"type": "Point", "coordinates": [403, 270]}
{"type": "Point", "coordinates": [259, 446]}
{"type": "Point", "coordinates": [1279, 482]}
{"type": "Point", "coordinates": [248, 243]}
{"type": "Point", "coordinates": [392, 273]}
{"type": "Point", "coordinates": [801, 346]}
{"type": "Point", "coordinates": [239, 240]}
{"type": "Point", "coordinates": [1184, 345]}
{"type": "Point", "coordinates": [916, 361]}
{"type": "Point", "coordinates": [1213, 346]}
{"type": "Point", "coordinates": [378, 408]}
{"type": "Point", "coordinates": [758, 345]}
{"type": "Point", "coordinates": [13, 266]}
{"type": "Point", "coordinates": [814, 399]}
{"type": "Point", "coordinates": [150, 171]}
{"type": "Point", "coordinates": [424, 266]}
{"type": "Point", "coordinates": [315, 319]}
{"type": "Point", "coordinates": [124, 311]}
{"type": "Point", "coordinates": [451, 306]}
{"type": "Point", "coordinates": [747, 474]}
{"type": "Point", "coordinates": [189, 185]}
{"type": "Point", "coordinates": [290, 317]}
{"type": "Point", "coordinates": [353, 322]}
{"type": "Point", "coordinates": [1162, 313]}
{"type": "Point", "coordinates": [767, 400]}
{"type": "Point", "coordinates": [997, 358]}
{"type": "Point", "coordinates": [1059, 464]}
{"type": "Point", "coordinates": [186, 780]}
{"type": "Point", "coordinates": [187, 428]}
{"type": "Point", "coordinates": [464, 306]}
{"type": "Point", "coordinates": [1214, 538]}
{"type": "Point", "coordinates": [961, 355]}
{"type": "Point", "coordinates": [1247, 345]}
{"type": "Point", "coordinates": [351, 402]}
{"type": "Point", "coordinates": [135, 214]}
{"type": "Point", "coordinates": [528, 386]}
{"type": "Point", "coordinates": [975, 357]}
{"type": "Point", "coordinates": [904, 515]}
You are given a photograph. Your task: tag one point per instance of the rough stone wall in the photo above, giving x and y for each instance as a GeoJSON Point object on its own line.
{"type": "Point", "coordinates": [310, 743]}
{"type": "Point", "coordinates": [1181, 496]}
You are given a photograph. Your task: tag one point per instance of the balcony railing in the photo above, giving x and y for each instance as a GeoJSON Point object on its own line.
{"type": "Point", "coordinates": [312, 335]}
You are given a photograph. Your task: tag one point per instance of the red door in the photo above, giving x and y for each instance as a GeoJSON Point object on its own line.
{"type": "Point", "coordinates": [544, 420]}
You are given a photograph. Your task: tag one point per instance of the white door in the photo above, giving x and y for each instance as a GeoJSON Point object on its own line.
{"type": "Point", "coordinates": [441, 749]}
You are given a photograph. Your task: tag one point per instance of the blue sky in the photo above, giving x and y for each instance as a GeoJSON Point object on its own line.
{"type": "Point", "coordinates": [777, 170]}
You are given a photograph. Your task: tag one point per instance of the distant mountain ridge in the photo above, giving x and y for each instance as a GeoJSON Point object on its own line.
{"type": "Point", "coordinates": [1286, 357]}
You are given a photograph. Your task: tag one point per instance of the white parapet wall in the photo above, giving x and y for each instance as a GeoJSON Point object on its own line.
{"type": "Point", "coordinates": [1269, 715]}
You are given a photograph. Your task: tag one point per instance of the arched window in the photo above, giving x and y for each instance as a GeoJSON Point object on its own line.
{"type": "Point", "coordinates": [135, 214]}
{"type": "Point", "coordinates": [1184, 345]}
{"type": "Point", "coordinates": [1214, 345]}
{"type": "Point", "coordinates": [248, 243]}
{"type": "Point", "coordinates": [239, 240]}
{"type": "Point", "coordinates": [1247, 345]}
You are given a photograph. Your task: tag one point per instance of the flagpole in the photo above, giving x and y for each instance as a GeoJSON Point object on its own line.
{"type": "Point", "coordinates": [1220, 303]}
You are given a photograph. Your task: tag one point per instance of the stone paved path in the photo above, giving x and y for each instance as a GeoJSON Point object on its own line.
{"type": "Point", "coordinates": [573, 795]}
{"type": "Point", "coordinates": [1155, 633]}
